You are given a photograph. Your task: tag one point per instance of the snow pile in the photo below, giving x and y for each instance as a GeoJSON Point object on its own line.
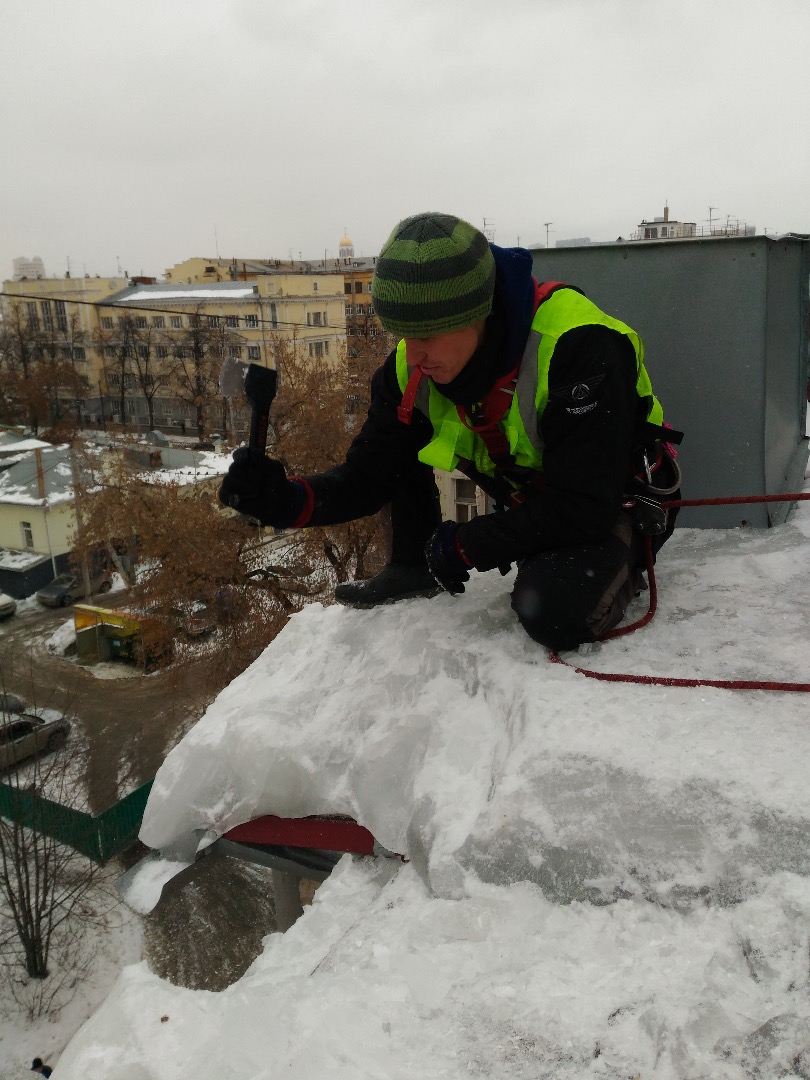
{"type": "Point", "coordinates": [605, 879]}
{"type": "Point", "coordinates": [62, 639]}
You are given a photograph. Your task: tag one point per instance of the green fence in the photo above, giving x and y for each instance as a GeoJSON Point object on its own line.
{"type": "Point", "coordinates": [99, 838]}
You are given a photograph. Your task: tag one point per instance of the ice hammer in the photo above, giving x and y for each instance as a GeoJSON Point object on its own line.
{"type": "Point", "coordinates": [258, 384]}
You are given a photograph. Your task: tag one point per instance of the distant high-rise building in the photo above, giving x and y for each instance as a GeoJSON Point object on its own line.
{"type": "Point", "coordinates": [29, 269]}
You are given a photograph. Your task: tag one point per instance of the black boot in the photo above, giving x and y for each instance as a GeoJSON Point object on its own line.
{"type": "Point", "coordinates": [394, 582]}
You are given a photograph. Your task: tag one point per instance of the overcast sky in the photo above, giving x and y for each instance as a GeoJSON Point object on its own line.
{"type": "Point", "coordinates": [140, 134]}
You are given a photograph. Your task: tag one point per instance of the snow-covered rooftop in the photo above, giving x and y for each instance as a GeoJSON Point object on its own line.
{"type": "Point", "coordinates": [224, 290]}
{"type": "Point", "coordinates": [604, 879]}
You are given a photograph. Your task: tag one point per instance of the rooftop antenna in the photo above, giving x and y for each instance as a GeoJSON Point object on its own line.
{"type": "Point", "coordinates": [547, 223]}
{"type": "Point", "coordinates": [216, 240]}
{"type": "Point", "coordinates": [489, 230]}
{"type": "Point", "coordinates": [710, 217]}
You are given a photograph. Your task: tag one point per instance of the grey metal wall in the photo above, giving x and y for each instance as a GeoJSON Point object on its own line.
{"type": "Point", "coordinates": [724, 325]}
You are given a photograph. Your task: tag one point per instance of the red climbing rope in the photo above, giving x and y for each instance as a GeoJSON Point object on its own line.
{"type": "Point", "coordinates": [656, 680]}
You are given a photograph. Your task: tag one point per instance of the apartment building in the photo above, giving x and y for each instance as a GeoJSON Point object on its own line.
{"type": "Point", "coordinates": [145, 353]}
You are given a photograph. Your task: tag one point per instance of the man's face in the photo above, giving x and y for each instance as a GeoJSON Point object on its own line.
{"type": "Point", "coordinates": [443, 357]}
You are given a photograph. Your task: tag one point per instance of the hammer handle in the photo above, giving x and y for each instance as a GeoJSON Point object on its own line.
{"type": "Point", "coordinates": [258, 429]}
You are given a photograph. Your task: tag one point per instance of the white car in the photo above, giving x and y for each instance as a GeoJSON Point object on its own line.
{"type": "Point", "coordinates": [8, 605]}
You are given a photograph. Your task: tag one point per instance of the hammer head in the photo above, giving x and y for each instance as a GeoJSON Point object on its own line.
{"type": "Point", "coordinates": [258, 384]}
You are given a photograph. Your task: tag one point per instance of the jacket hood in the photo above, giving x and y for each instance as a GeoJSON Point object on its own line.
{"type": "Point", "coordinates": [514, 294]}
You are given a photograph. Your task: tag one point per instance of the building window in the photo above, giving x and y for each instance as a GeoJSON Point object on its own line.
{"type": "Point", "coordinates": [232, 321]}
{"type": "Point", "coordinates": [213, 320]}
{"type": "Point", "coordinates": [143, 352]}
{"type": "Point", "coordinates": [313, 318]}
{"type": "Point", "coordinates": [358, 286]}
{"type": "Point", "coordinates": [369, 286]}
{"type": "Point", "coordinates": [158, 322]}
{"type": "Point", "coordinates": [350, 309]}
{"type": "Point", "coordinates": [273, 316]}
{"type": "Point", "coordinates": [254, 353]}
{"type": "Point", "coordinates": [177, 322]}
{"type": "Point", "coordinates": [650, 234]}
{"type": "Point", "coordinates": [61, 315]}
{"type": "Point", "coordinates": [314, 286]}
{"type": "Point", "coordinates": [316, 348]}
{"type": "Point", "coordinates": [140, 322]}
{"type": "Point", "coordinates": [79, 353]}
{"type": "Point", "coordinates": [106, 322]}
{"type": "Point", "coordinates": [235, 351]}
{"type": "Point", "coordinates": [252, 322]}
{"type": "Point", "coordinates": [130, 406]}
{"type": "Point", "coordinates": [347, 287]}
{"type": "Point", "coordinates": [109, 352]}
{"type": "Point", "coordinates": [465, 500]}
{"type": "Point", "coordinates": [31, 316]}
{"type": "Point", "coordinates": [162, 352]}
{"type": "Point", "coordinates": [27, 533]}
{"type": "Point", "coordinates": [326, 347]}
{"type": "Point", "coordinates": [47, 321]}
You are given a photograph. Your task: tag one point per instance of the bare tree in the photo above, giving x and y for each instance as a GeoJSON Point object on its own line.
{"type": "Point", "coordinates": [198, 353]}
{"type": "Point", "coordinates": [39, 351]}
{"type": "Point", "coordinates": [46, 887]}
{"type": "Point", "coordinates": [186, 553]}
{"type": "Point", "coordinates": [117, 348]}
{"type": "Point", "coordinates": [149, 364]}
{"type": "Point", "coordinates": [321, 406]}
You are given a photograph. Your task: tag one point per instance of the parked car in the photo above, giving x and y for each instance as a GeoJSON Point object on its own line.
{"type": "Point", "coordinates": [10, 703]}
{"type": "Point", "coordinates": [195, 619]}
{"type": "Point", "coordinates": [26, 734]}
{"type": "Point", "coordinates": [8, 605]}
{"type": "Point", "coordinates": [67, 588]}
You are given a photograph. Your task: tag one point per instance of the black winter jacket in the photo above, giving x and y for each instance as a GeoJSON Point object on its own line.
{"type": "Point", "coordinates": [586, 457]}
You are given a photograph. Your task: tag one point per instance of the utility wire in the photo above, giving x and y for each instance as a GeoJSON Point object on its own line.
{"type": "Point", "coordinates": [119, 306]}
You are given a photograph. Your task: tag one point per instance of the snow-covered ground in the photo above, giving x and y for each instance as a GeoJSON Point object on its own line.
{"type": "Point", "coordinates": [605, 879]}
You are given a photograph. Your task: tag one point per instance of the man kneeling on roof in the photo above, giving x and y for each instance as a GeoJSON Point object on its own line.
{"type": "Point", "coordinates": [531, 391]}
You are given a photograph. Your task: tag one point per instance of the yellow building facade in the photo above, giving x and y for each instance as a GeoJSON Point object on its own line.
{"type": "Point", "coordinates": [131, 342]}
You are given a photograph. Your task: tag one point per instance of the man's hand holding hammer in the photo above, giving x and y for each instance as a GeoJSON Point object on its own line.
{"type": "Point", "coordinates": [258, 487]}
{"type": "Point", "coordinates": [255, 485]}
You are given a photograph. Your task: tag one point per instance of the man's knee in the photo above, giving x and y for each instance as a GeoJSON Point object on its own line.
{"type": "Point", "coordinates": [568, 596]}
{"type": "Point", "coordinates": [546, 608]}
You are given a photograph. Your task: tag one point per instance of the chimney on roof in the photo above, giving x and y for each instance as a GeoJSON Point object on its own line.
{"type": "Point", "coordinates": [666, 213]}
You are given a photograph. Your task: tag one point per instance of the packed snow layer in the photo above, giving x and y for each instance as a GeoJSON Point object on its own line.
{"type": "Point", "coordinates": [605, 879]}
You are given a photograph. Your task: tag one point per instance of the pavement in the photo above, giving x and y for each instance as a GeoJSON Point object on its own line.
{"type": "Point", "coordinates": [124, 722]}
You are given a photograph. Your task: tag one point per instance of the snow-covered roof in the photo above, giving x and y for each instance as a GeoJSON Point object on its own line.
{"type": "Point", "coordinates": [13, 444]}
{"type": "Point", "coordinates": [604, 879]}
{"type": "Point", "coordinates": [224, 290]}
{"type": "Point", "coordinates": [20, 484]}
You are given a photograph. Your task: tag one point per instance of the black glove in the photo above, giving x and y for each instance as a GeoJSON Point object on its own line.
{"type": "Point", "coordinates": [257, 486]}
{"type": "Point", "coordinates": [446, 559]}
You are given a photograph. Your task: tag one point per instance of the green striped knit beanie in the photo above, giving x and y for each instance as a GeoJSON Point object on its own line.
{"type": "Point", "coordinates": [435, 274]}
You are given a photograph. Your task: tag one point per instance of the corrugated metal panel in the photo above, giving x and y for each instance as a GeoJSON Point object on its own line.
{"type": "Point", "coordinates": [99, 838]}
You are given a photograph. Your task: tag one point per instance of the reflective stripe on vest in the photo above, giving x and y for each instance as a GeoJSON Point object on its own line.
{"type": "Point", "coordinates": [452, 441]}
